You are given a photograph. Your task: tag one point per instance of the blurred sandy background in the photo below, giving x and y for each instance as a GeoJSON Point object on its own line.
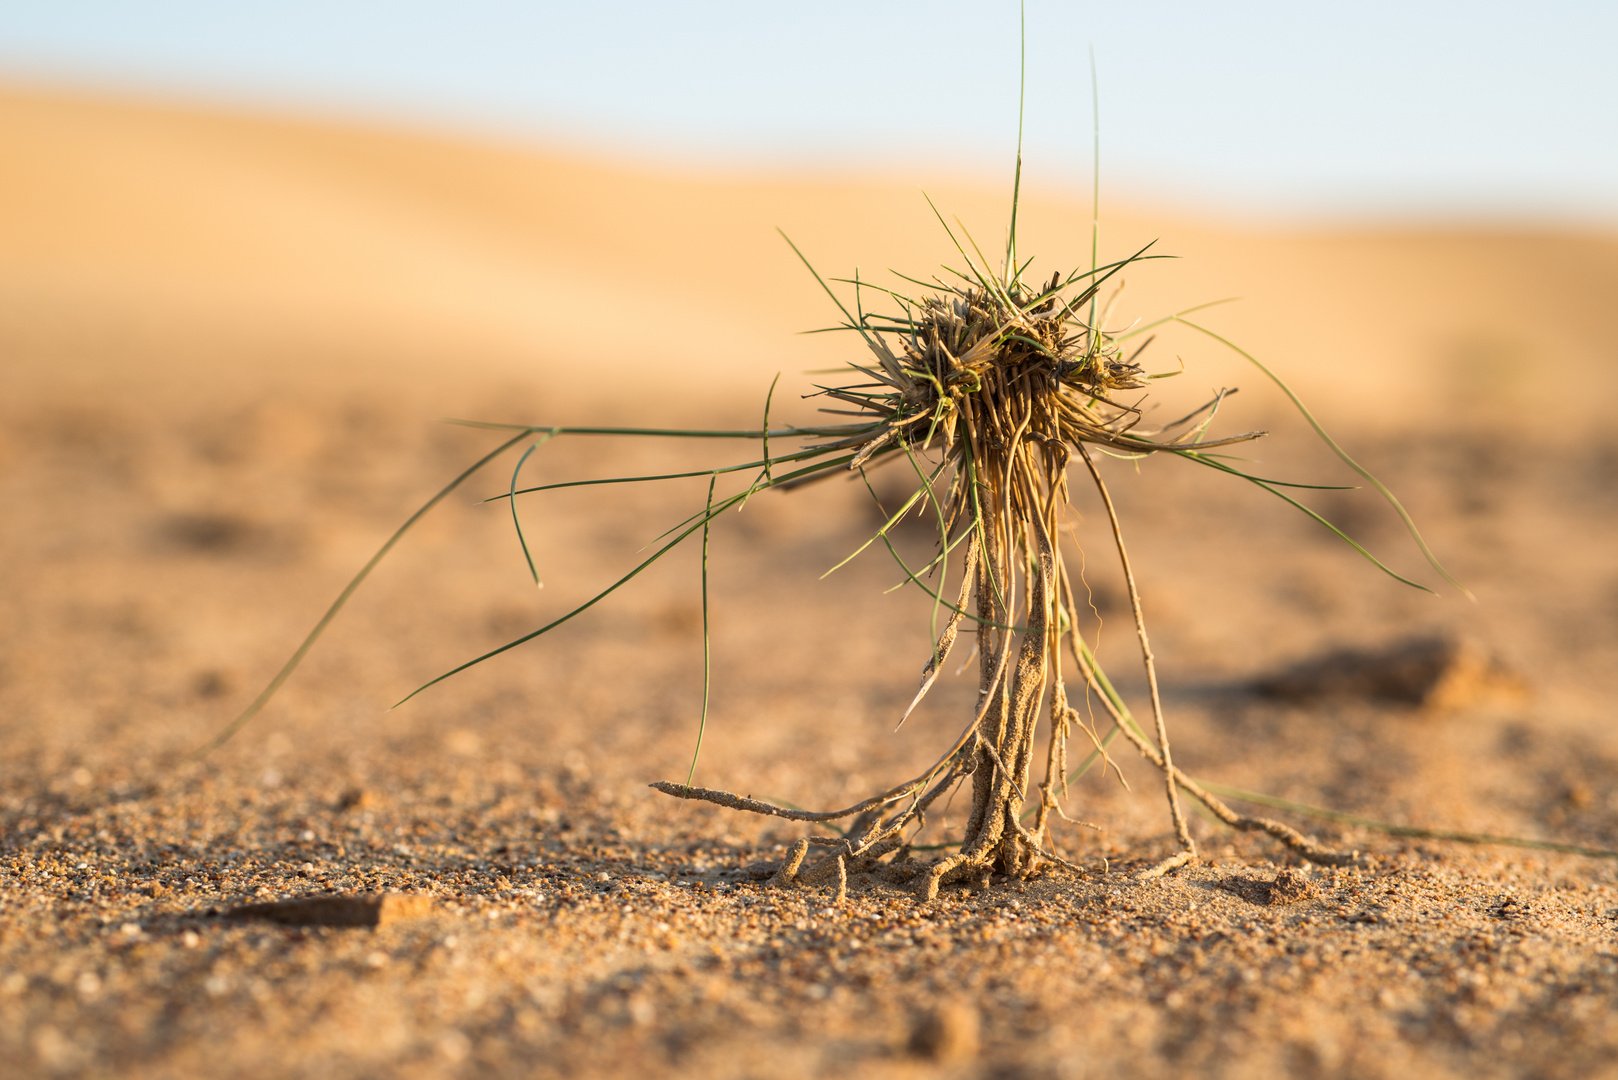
{"type": "Point", "coordinates": [225, 342]}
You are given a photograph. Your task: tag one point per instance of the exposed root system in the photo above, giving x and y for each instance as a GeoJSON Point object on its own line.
{"type": "Point", "coordinates": [988, 392]}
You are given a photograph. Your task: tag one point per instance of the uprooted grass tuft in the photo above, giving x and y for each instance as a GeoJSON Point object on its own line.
{"type": "Point", "coordinates": [987, 389]}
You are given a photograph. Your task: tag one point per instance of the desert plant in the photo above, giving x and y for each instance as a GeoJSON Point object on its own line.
{"type": "Point", "coordinates": [987, 387]}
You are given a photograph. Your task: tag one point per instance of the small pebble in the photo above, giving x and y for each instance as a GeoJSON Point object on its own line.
{"type": "Point", "coordinates": [946, 1034]}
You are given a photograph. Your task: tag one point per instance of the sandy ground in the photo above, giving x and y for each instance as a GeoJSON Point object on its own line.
{"type": "Point", "coordinates": [212, 417]}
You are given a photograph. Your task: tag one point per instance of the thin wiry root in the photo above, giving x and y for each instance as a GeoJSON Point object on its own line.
{"type": "Point", "coordinates": [1292, 838]}
{"type": "Point", "coordinates": [1040, 850]}
{"type": "Point", "coordinates": [1168, 865]}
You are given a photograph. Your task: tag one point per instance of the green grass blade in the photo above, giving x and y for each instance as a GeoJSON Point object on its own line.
{"type": "Point", "coordinates": [654, 433]}
{"type": "Point", "coordinates": [707, 639]}
{"type": "Point", "coordinates": [263, 699]}
{"type": "Point", "coordinates": [801, 455]}
{"type": "Point", "coordinates": [1211, 461]}
{"type": "Point", "coordinates": [1404, 515]}
{"type": "Point", "coordinates": [579, 610]}
{"type": "Point", "coordinates": [516, 522]}
{"type": "Point", "coordinates": [980, 279]}
{"type": "Point", "coordinates": [998, 288]}
{"type": "Point", "coordinates": [768, 397]}
{"type": "Point", "coordinates": [834, 298]}
{"type": "Point", "coordinates": [860, 283]}
{"type": "Point", "coordinates": [1339, 533]}
{"type": "Point", "coordinates": [1135, 331]}
{"type": "Point", "coordinates": [912, 577]}
{"type": "Point", "coordinates": [1011, 272]}
{"type": "Point", "coordinates": [691, 524]}
{"type": "Point", "coordinates": [1095, 178]}
{"type": "Point", "coordinates": [800, 474]}
{"type": "Point", "coordinates": [892, 520]}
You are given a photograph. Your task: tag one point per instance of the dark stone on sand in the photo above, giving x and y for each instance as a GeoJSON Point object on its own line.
{"type": "Point", "coordinates": [946, 1033]}
{"type": "Point", "coordinates": [1288, 887]}
{"type": "Point", "coordinates": [376, 909]}
{"type": "Point", "coordinates": [1431, 673]}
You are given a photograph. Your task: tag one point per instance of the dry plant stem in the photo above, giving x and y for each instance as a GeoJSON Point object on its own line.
{"type": "Point", "coordinates": [1124, 723]}
{"type": "Point", "coordinates": [1182, 833]}
{"type": "Point", "coordinates": [1168, 865]}
{"type": "Point", "coordinates": [1302, 845]}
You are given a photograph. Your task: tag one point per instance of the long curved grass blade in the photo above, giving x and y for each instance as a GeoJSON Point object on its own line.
{"type": "Point", "coordinates": [1012, 273]}
{"type": "Point", "coordinates": [763, 480]}
{"type": "Point", "coordinates": [1212, 461]}
{"type": "Point", "coordinates": [1094, 287]}
{"type": "Point", "coordinates": [691, 526]}
{"type": "Point", "coordinates": [913, 578]}
{"type": "Point", "coordinates": [263, 699]}
{"type": "Point", "coordinates": [804, 475]}
{"type": "Point", "coordinates": [516, 522]}
{"type": "Point", "coordinates": [1414, 831]}
{"type": "Point", "coordinates": [864, 333]}
{"type": "Point", "coordinates": [1079, 272]}
{"type": "Point", "coordinates": [893, 519]}
{"type": "Point", "coordinates": [988, 284]}
{"type": "Point", "coordinates": [977, 523]}
{"type": "Point", "coordinates": [1392, 500]}
{"type": "Point", "coordinates": [767, 399]}
{"type": "Point", "coordinates": [999, 288]}
{"type": "Point", "coordinates": [1135, 331]}
{"type": "Point", "coordinates": [707, 639]}
{"type": "Point", "coordinates": [1340, 534]}
{"type": "Point", "coordinates": [654, 433]}
{"type": "Point", "coordinates": [861, 283]}
{"type": "Point", "coordinates": [1095, 179]}
{"type": "Point", "coordinates": [553, 624]}
{"type": "Point", "coordinates": [943, 524]}
{"type": "Point", "coordinates": [945, 641]}
{"type": "Point", "coordinates": [743, 467]}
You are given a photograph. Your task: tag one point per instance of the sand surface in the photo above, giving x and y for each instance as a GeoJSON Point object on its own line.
{"type": "Point", "coordinates": [225, 342]}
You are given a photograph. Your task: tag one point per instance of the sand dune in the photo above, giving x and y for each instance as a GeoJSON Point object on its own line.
{"type": "Point", "coordinates": [311, 240]}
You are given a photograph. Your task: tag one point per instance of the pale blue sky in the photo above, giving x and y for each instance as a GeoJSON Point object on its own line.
{"type": "Point", "coordinates": [1366, 109]}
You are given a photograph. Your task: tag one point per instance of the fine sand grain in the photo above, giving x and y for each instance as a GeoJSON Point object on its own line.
{"type": "Point", "coordinates": [208, 427]}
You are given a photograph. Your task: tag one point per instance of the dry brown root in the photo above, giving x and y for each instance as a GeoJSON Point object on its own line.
{"type": "Point", "coordinates": [791, 864]}
{"type": "Point", "coordinates": [1305, 848]}
{"type": "Point", "coordinates": [1165, 758]}
{"type": "Point", "coordinates": [1167, 866]}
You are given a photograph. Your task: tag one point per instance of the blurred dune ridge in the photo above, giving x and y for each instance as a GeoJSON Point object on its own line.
{"type": "Point", "coordinates": [608, 282]}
